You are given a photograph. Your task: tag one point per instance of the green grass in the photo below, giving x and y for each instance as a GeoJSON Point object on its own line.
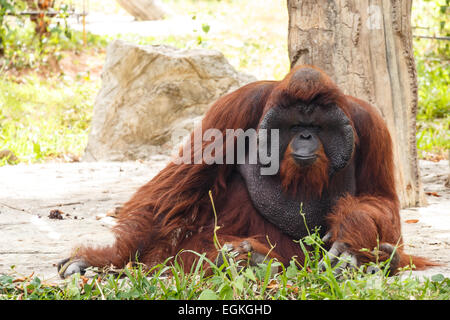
{"type": "Point", "coordinates": [44, 114]}
{"type": "Point", "coordinates": [168, 281]}
{"type": "Point", "coordinates": [433, 116]}
{"type": "Point", "coordinates": [433, 138]}
{"type": "Point", "coordinates": [433, 71]}
{"type": "Point", "coordinates": [44, 118]}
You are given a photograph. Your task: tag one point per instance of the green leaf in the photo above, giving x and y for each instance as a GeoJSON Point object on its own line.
{"type": "Point", "coordinates": [208, 294]}
{"type": "Point", "coordinates": [205, 28]}
{"type": "Point", "coordinates": [249, 274]}
{"type": "Point", "coordinates": [226, 292]}
{"type": "Point", "coordinates": [292, 270]}
{"type": "Point", "coordinates": [37, 149]}
{"type": "Point", "coordinates": [438, 277]}
{"type": "Point", "coordinates": [239, 283]}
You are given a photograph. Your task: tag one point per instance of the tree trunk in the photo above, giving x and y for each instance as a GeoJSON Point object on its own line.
{"type": "Point", "coordinates": [366, 48]}
{"type": "Point", "coordinates": [143, 9]}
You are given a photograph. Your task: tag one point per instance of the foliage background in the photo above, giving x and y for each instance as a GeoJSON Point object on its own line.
{"type": "Point", "coordinates": [48, 85]}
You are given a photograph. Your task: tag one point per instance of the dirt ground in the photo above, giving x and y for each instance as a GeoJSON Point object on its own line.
{"type": "Point", "coordinates": [31, 242]}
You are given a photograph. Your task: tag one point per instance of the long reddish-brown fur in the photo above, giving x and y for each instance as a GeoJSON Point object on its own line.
{"type": "Point", "coordinates": [173, 211]}
{"type": "Point", "coordinates": [310, 181]}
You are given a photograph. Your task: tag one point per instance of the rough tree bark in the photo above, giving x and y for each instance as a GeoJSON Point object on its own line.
{"type": "Point", "coordinates": [366, 47]}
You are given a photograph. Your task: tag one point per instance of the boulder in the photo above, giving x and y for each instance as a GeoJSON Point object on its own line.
{"type": "Point", "coordinates": [150, 92]}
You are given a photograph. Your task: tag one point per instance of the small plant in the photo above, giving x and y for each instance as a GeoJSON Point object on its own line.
{"type": "Point", "coordinates": [168, 280]}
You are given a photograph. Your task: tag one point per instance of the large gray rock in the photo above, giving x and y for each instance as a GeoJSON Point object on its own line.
{"type": "Point", "coordinates": [148, 92]}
